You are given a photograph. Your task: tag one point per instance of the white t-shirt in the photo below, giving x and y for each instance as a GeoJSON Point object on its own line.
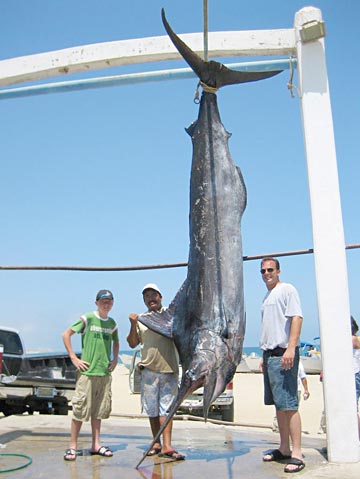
{"type": "Point", "coordinates": [301, 374]}
{"type": "Point", "coordinates": [279, 306]}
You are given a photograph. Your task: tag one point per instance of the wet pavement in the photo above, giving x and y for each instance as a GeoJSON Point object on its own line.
{"type": "Point", "coordinates": [212, 451]}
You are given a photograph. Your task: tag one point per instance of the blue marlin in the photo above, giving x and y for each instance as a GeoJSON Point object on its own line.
{"type": "Point", "coordinates": [207, 317]}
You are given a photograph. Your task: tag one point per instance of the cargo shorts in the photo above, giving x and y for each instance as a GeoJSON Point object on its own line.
{"type": "Point", "coordinates": [92, 398]}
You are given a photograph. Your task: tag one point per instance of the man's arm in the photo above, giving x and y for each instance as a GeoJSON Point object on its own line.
{"type": "Point", "coordinates": [78, 363]}
{"type": "Point", "coordinates": [306, 389]}
{"type": "Point", "coordinates": [295, 329]}
{"type": "Point", "coordinates": [114, 361]}
{"type": "Point", "coordinates": [133, 336]}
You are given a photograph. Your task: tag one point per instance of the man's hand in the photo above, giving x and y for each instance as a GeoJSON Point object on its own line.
{"type": "Point", "coordinates": [112, 365]}
{"type": "Point", "coordinates": [80, 364]}
{"type": "Point", "coordinates": [133, 337]}
{"type": "Point", "coordinates": [287, 360]}
{"type": "Point", "coordinates": [133, 317]}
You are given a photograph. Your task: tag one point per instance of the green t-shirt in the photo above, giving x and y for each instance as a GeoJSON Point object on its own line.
{"type": "Point", "coordinates": [97, 336]}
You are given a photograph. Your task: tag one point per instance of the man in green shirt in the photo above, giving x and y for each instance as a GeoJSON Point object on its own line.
{"type": "Point", "coordinates": [92, 398]}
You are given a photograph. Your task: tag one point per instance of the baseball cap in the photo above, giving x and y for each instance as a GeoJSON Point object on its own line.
{"type": "Point", "coordinates": [151, 286]}
{"type": "Point", "coordinates": [104, 294]}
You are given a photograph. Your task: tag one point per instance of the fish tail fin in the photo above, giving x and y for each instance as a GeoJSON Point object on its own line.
{"type": "Point", "coordinates": [212, 74]}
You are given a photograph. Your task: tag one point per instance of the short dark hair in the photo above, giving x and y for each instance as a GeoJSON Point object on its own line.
{"type": "Point", "coordinates": [270, 258]}
{"type": "Point", "coordinates": [354, 326]}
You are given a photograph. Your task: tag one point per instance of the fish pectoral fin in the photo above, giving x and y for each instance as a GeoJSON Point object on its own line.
{"type": "Point", "coordinates": [156, 322]}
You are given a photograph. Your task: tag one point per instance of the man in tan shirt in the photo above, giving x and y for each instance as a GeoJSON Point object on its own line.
{"type": "Point", "coordinates": [159, 372]}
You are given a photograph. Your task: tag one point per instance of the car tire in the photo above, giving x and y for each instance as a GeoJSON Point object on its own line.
{"type": "Point", "coordinates": [228, 414]}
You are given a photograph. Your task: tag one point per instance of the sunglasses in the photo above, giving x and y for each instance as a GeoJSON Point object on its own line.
{"type": "Point", "coordinates": [269, 270]}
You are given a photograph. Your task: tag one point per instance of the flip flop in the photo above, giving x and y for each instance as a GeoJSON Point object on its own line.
{"type": "Point", "coordinates": [275, 455]}
{"type": "Point", "coordinates": [172, 454]}
{"type": "Point", "coordinates": [154, 451]}
{"type": "Point", "coordinates": [70, 452]}
{"type": "Point", "coordinates": [103, 451]}
{"type": "Point", "coordinates": [296, 462]}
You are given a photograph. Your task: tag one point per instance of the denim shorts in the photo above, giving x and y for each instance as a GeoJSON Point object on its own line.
{"type": "Point", "coordinates": [158, 391]}
{"type": "Point", "coordinates": [357, 384]}
{"type": "Point", "coordinates": [280, 385]}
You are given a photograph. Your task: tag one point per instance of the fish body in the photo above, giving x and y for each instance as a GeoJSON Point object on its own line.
{"type": "Point", "coordinates": [209, 320]}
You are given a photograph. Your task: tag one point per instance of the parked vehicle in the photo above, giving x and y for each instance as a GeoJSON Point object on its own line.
{"type": "Point", "coordinates": [33, 382]}
{"type": "Point", "coordinates": [222, 408]}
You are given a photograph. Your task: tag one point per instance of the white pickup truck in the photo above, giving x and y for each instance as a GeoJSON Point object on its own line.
{"type": "Point", "coordinates": [222, 408]}
{"type": "Point", "coordinates": [33, 382]}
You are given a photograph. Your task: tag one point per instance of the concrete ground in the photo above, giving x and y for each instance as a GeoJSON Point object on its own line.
{"type": "Point", "coordinates": [212, 451]}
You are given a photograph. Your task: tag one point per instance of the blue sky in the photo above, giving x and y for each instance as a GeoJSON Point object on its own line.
{"type": "Point", "coordinates": [101, 177]}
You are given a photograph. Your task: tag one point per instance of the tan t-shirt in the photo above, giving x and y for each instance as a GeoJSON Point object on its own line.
{"type": "Point", "coordinates": [158, 353]}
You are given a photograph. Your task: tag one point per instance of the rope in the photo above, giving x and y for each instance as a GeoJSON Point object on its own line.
{"type": "Point", "coordinates": [290, 85]}
{"type": "Point", "coordinates": [29, 461]}
{"type": "Point", "coordinates": [206, 88]}
{"type": "Point", "coordinates": [156, 266]}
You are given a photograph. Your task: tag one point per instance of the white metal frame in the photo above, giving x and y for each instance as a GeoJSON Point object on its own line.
{"type": "Point", "coordinates": [328, 235]}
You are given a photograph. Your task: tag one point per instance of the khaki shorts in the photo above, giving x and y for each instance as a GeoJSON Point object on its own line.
{"type": "Point", "coordinates": [92, 398]}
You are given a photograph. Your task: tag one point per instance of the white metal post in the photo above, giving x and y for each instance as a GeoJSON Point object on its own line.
{"type": "Point", "coordinates": [328, 237]}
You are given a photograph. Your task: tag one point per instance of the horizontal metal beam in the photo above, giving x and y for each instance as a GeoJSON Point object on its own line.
{"type": "Point", "coordinates": [134, 78]}
{"type": "Point", "coordinates": [143, 50]}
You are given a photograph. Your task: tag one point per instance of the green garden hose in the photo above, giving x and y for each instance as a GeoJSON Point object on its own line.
{"type": "Point", "coordinates": [29, 461]}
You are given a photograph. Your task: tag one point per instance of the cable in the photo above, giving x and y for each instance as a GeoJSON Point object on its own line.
{"type": "Point", "coordinates": [156, 266]}
{"type": "Point", "coordinates": [206, 30]}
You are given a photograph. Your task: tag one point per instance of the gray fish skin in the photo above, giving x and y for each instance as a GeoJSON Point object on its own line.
{"type": "Point", "coordinates": [207, 317]}
{"type": "Point", "coordinates": [209, 322]}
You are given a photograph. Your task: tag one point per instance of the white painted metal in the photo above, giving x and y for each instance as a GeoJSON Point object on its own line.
{"type": "Point", "coordinates": [143, 50]}
{"type": "Point", "coordinates": [329, 246]}
{"type": "Point", "coordinates": [132, 78]}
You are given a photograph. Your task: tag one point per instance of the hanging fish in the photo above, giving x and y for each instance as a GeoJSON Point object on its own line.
{"type": "Point", "coordinates": [207, 317]}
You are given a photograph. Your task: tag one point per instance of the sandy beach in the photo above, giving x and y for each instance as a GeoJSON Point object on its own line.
{"type": "Point", "coordinates": [248, 395]}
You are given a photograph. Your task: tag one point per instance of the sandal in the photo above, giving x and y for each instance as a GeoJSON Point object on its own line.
{"type": "Point", "coordinates": [296, 462]}
{"type": "Point", "coordinates": [103, 451]}
{"type": "Point", "coordinates": [172, 454]}
{"type": "Point", "coordinates": [275, 455]}
{"type": "Point", "coordinates": [155, 450]}
{"type": "Point", "coordinates": [70, 452]}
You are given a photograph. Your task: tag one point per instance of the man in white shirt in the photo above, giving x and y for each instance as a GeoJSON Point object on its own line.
{"type": "Point", "coordinates": [279, 338]}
